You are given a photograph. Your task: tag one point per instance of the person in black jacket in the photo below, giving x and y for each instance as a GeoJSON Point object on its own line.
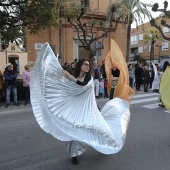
{"type": "Point", "coordinates": [138, 76]}
{"type": "Point", "coordinates": [146, 78]}
{"type": "Point", "coordinates": [10, 76]}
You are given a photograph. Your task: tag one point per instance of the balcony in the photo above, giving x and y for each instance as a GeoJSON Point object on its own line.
{"type": "Point", "coordinates": [133, 54]}
{"type": "Point", "coordinates": [134, 42]}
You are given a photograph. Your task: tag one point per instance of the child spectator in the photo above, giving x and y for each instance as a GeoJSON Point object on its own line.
{"type": "Point", "coordinates": [105, 88]}
{"type": "Point", "coordinates": [101, 87]}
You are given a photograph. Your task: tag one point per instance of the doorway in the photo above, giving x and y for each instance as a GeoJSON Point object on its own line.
{"type": "Point", "coordinates": [15, 62]}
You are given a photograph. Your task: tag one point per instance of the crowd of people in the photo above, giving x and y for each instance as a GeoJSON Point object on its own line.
{"type": "Point", "coordinates": [144, 75]}
{"type": "Point", "coordinates": [141, 75]}
{"type": "Point", "coordinates": [10, 85]}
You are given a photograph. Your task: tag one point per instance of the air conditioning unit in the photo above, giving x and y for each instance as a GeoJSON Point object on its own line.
{"type": "Point", "coordinates": [38, 46]}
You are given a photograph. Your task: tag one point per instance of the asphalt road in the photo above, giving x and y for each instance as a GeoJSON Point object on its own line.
{"type": "Point", "coordinates": [25, 146]}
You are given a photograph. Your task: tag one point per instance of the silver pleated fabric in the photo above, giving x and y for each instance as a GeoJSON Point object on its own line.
{"type": "Point", "coordinates": [76, 148]}
{"type": "Point", "coordinates": [69, 111]}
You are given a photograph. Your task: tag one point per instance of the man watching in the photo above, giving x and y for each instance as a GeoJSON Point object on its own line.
{"type": "Point", "coordinates": [10, 76]}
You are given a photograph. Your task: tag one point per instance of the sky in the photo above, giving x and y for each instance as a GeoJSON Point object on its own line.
{"type": "Point", "coordinates": [154, 14]}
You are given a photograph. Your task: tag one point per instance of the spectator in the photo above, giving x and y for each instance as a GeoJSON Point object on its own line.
{"type": "Point", "coordinates": [101, 87]}
{"type": "Point", "coordinates": [72, 68]}
{"type": "Point", "coordinates": [26, 83]}
{"type": "Point", "coordinates": [105, 88]}
{"type": "Point", "coordinates": [96, 76]}
{"type": "Point", "coordinates": [1, 78]}
{"type": "Point", "coordinates": [66, 67]}
{"type": "Point", "coordinates": [103, 70]}
{"type": "Point", "coordinates": [10, 84]}
{"type": "Point", "coordinates": [131, 75]}
{"type": "Point", "coordinates": [152, 74]}
{"type": "Point", "coordinates": [138, 76]}
{"type": "Point", "coordinates": [146, 78]}
{"type": "Point", "coordinates": [75, 61]}
{"type": "Point", "coordinates": [115, 77]}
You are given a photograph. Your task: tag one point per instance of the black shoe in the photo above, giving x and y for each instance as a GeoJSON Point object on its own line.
{"type": "Point", "coordinates": [162, 105]}
{"type": "Point", "coordinates": [97, 97]}
{"type": "Point", "coordinates": [74, 160]}
{"type": "Point", "coordinates": [7, 105]}
{"type": "Point", "coordinates": [16, 104]}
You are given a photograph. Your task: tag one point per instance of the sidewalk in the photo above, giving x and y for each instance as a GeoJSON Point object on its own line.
{"type": "Point", "coordinates": [28, 106]}
{"type": "Point", "coordinates": [14, 108]}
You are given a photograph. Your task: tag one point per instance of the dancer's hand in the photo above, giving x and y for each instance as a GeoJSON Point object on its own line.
{"type": "Point", "coordinates": [65, 73]}
{"type": "Point", "coordinates": [69, 76]}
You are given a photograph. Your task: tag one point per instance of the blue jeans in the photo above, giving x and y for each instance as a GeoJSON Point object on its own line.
{"type": "Point", "coordinates": [8, 92]}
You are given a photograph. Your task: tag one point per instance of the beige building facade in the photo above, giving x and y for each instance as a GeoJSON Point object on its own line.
{"type": "Point", "coordinates": [72, 48]}
{"type": "Point", "coordinates": [14, 55]}
{"type": "Point", "coordinates": [138, 45]}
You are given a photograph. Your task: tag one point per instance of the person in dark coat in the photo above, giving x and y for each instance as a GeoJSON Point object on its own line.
{"type": "Point", "coordinates": [146, 78]}
{"type": "Point", "coordinates": [10, 76]}
{"type": "Point", "coordinates": [138, 76]}
{"type": "Point", "coordinates": [152, 74]}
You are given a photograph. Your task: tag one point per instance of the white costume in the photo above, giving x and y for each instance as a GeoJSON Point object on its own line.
{"type": "Point", "coordinates": [157, 77]}
{"type": "Point", "coordinates": [69, 112]}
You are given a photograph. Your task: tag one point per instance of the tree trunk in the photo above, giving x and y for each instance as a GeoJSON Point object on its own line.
{"type": "Point", "coordinates": [60, 39]}
{"type": "Point", "coordinates": [128, 43]}
{"type": "Point", "coordinates": [91, 55]}
{"type": "Point", "coordinates": [152, 51]}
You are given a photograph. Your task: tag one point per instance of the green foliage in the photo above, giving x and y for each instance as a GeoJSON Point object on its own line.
{"type": "Point", "coordinates": [128, 11]}
{"type": "Point", "coordinates": [34, 15]}
{"type": "Point", "coordinates": [152, 35]}
{"type": "Point", "coordinates": [139, 59]}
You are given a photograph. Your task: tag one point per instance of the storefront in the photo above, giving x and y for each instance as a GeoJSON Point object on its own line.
{"type": "Point", "coordinates": [14, 55]}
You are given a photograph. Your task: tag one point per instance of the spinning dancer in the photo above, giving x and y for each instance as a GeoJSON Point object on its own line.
{"type": "Point", "coordinates": [65, 107]}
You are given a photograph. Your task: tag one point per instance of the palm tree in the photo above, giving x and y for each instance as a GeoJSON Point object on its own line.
{"type": "Point", "coordinates": [129, 11]}
{"type": "Point", "coordinates": [153, 36]}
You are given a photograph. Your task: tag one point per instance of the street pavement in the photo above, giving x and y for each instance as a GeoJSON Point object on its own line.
{"type": "Point", "coordinates": [25, 146]}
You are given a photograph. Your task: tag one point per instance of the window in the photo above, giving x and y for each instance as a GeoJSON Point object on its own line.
{"type": "Point", "coordinates": [96, 45]}
{"type": "Point", "coordinates": [85, 3]}
{"type": "Point", "coordinates": [134, 39]}
{"type": "Point", "coordinates": [145, 47]}
{"type": "Point", "coordinates": [141, 36]}
{"type": "Point", "coordinates": [140, 49]}
{"type": "Point", "coordinates": [38, 46]}
{"type": "Point", "coordinates": [164, 46]}
{"type": "Point", "coordinates": [165, 30]}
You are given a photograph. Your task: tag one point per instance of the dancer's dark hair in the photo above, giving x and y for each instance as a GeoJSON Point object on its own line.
{"type": "Point", "coordinates": [78, 65]}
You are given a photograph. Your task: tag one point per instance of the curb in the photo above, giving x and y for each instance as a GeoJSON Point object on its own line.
{"type": "Point", "coordinates": [15, 108]}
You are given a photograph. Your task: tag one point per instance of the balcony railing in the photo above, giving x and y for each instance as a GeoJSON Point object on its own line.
{"type": "Point", "coordinates": [133, 54]}
{"type": "Point", "coordinates": [134, 42]}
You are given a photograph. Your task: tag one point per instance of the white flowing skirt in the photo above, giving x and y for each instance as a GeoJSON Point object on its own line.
{"type": "Point", "coordinates": [69, 111]}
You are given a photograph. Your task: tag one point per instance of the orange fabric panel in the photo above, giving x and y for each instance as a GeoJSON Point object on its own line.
{"type": "Point", "coordinates": [115, 58]}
